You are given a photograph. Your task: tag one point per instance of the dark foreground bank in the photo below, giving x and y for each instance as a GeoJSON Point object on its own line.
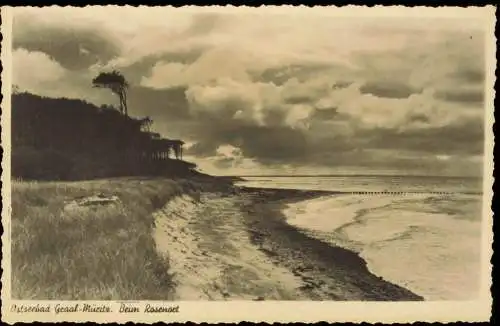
{"type": "Point", "coordinates": [328, 272]}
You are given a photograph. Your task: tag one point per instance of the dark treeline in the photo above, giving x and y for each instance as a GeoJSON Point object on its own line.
{"type": "Point", "coordinates": [66, 139]}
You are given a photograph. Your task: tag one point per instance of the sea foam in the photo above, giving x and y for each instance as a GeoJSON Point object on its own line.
{"type": "Point", "coordinates": [426, 243]}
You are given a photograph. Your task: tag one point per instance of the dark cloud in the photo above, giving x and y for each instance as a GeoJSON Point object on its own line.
{"type": "Point", "coordinates": [325, 114]}
{"type": "Point", "coordinates": [280, 75]}
{"type": "Point", "coordinates": [470, 75]}
{"type": "Point", "coordinates": [418, 117]}
{"type": "Point", "coordinates": [269, 145]}
{"type": "Point", "coordinates": [475, 96]}
{"type": "Point", "coordinates": [272, 75]}
{"type": "Point", "coordinates": [184, 57]}
{"type": "Point", "coordinates": [143, 67]}
{"type": "Point", "coordinates": [332, 150]}
{"type": "Point", "coordinates": [73, 48]}
{"type": "Point", "coordinates": [341, 84]}
{"type": "Point", "coordinates": [168, 104]}
{"type": "Point", "coordinates": [265, 144]}
{"type": "Point", "coordinates": [275, 142]}
{"type": "Point", "coordinates": [274, 117]}
{"type": "Point", "coordinates": [461, 139]}
{"type": "Point", "coordinates": [387, 89]}
{"type": "Point", "coordinates": [299, 99]}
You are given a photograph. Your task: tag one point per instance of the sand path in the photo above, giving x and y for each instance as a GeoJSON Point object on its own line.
{"type": "Point", "coordinates": [212, 256]}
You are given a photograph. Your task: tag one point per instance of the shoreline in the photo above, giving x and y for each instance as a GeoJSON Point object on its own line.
{"type": "Point", "coordinates": [198, 239]}
{"type": "Point", "coordinates": [329, 272]}
{"type": "Point", "coordinates": [210, 253]}
{"type": "Point", "coordinates": [233, 243]}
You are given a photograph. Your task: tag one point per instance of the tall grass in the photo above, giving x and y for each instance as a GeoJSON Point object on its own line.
{"type": "Point", "coordinates": [100, 253]}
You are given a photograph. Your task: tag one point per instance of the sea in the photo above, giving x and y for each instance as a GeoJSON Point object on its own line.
{"type": "Point", "coordinates": [420, 232]}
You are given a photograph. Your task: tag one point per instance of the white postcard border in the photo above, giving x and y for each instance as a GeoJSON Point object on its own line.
{"type": "Point", "coordinates": [270, 311]}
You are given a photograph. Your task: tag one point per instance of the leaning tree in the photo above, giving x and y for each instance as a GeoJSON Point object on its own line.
{"type": "Point", "coordinates": [117, 83]}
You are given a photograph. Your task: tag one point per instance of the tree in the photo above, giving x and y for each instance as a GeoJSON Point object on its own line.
{"type": "Point", "coordinates": [117, 83]}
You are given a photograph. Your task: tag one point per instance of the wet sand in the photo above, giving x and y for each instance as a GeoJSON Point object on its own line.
{"type": "Point", "coordinates": [237, 245]}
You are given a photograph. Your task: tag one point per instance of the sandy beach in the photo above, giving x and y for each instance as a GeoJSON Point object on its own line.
{"type": "Point", "coordinates": [237, 246]}
{"type": "Point", "coordinates": [211, 255]}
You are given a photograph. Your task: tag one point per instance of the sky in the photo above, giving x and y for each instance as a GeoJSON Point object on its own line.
{"type": "Point", "coordinates": [275, 91]}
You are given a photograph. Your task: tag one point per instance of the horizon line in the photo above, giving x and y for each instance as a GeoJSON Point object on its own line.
{"type": "Point", "coordinates": [350, 175]}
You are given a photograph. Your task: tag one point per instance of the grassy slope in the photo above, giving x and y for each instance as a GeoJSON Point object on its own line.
{"type": "Point", "coordinates": [108, 253]}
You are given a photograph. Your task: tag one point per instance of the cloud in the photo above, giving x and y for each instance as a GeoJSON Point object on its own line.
{"type": "Point", "coordinates": [38, 73]}
{"type": "Point", "coordinates": [214, 63]}
{"type": "Point", "coordinates": [259, 119]}
{"type": "Point", "coordinates": [465, 138]}
{"type": "Point", "coordinates": [169, 102]}
{"type": "Point", "coordinates": [202, 149]}
{"type": "Point", "coordinates": [75, 48]}
{"type": "Point", "coordinates": [462, 95]}
{"type": "Point", "coordinates": [32, 70]}
{"type": "Point", "coordinates": [387, 89]}
{"type": "Point", "coordinates": [249, 90]}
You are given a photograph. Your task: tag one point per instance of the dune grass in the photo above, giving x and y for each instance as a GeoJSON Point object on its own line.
{"type": "Point", "coordinates": [99, 253]}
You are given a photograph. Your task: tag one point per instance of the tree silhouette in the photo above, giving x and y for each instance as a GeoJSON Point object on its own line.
{"type": "Point", "coordinates": [89, 142]}
{"type": "Point", "coordinates": [117, 83]}
{"type": "Point", "coordinates": [145, 124]}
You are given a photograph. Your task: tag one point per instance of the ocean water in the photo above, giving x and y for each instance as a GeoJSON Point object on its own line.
{"type": "Point", "coordinates": [369, 183]}
{"type": "Point", "coordinates": [426, 242]}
